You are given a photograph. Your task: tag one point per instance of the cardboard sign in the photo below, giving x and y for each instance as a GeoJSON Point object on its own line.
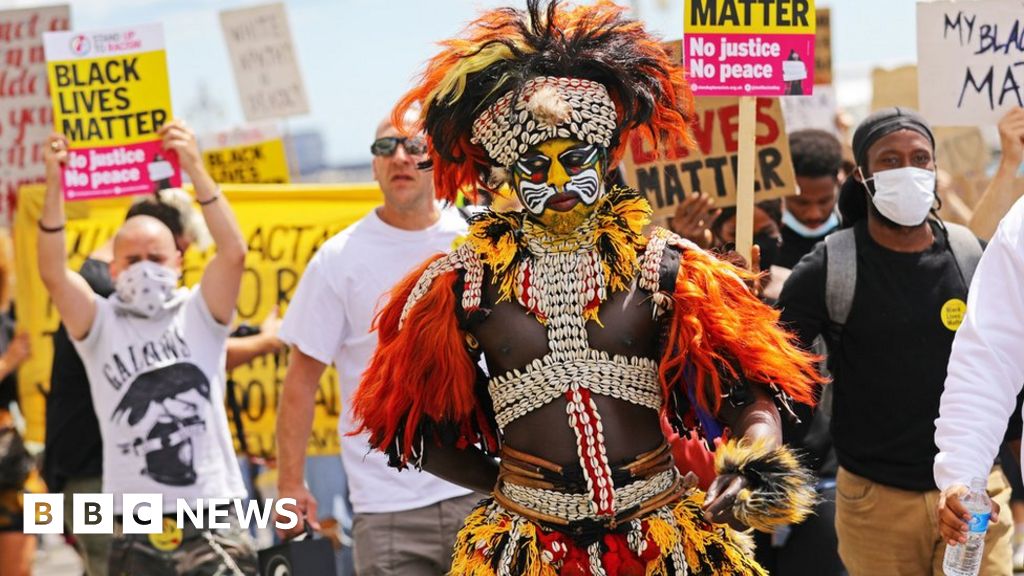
{"type": "Point", "coordinates": [668, 176]}
{"type": "Point", "coordinates": [111, 95]}
{"type": "Point", "coordinates": [971, 56]}
{"type": "Point", "coordinates": [283, 226]}
{"type": "Point", "coordinates": [262, 55]}
{"type": "Point", "coordinates": [26, 117]}
{"type": "Point", "coordinates": [246, 156]}
{"type": "Point", "coordinates": [961, 151]}
{"type": "Point", "coordinates": [815, 111]}
{"type": "Point", "coordinates": [895, 87]}
{"type": "Point", "coordinates": [740, 47]}
{"type": "Point", "coordinates": [823, 48]}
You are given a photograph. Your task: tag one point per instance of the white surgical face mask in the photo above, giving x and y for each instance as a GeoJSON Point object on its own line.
{"type": "Point", "coordinates": [146, 289]}
{"type": "Point", "coordinates": [790, 221]}
{"type": "Point", "coordinates": [903, 195]}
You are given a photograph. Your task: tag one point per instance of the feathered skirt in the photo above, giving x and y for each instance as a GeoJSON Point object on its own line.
{"type": "Point", "coordinates": [530, 528]}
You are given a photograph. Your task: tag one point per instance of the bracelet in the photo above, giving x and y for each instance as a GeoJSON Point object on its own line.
{"type": "Point", "coordinates": [209, 201]}
{"type": "Point", "coordinates": [49, 230]}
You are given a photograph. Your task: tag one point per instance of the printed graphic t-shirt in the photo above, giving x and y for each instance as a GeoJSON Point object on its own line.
{"type": "Point", "coordinates": [329, 319]}
{"type": "Point", "coordinates": [158, 388]}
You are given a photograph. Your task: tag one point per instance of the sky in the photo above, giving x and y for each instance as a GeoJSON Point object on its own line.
{"type": "Point", "coordinates": [359, 56]}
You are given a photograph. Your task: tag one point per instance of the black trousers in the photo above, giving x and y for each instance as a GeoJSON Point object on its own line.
{"type": "Point", "coordinates": [812, 548]}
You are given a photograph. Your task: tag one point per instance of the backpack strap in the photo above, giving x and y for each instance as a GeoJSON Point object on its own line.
{"type": "Point", "coordinates": [840, 274]}
{"type": "Point", "coordinates": [966, 249]}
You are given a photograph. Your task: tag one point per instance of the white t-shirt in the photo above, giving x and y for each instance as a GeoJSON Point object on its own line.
{"type": "Point", "coordinates": [158, 390]}
{"type": "Point", "coordinates": [329, 319]}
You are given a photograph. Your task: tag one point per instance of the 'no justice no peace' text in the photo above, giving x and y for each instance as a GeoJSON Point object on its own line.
{"type": "Point", "coordinates": [699, 49]}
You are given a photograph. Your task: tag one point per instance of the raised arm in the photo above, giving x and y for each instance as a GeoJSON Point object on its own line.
{"type": "Point", "coordinates": [1001, 192]}
{"type": "Point", "coordinates": [223, 275]}
{"type": "Point", "coordinates": [74, 300]}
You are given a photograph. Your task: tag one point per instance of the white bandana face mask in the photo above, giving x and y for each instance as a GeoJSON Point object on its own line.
{"type": "Point", "coordinates": [903, 195]}
{"type": "Point", "coordinates": [146, 289]}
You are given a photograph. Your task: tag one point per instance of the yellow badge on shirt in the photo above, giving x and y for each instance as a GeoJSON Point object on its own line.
{"type": "Point", "coordinates": [953, 313]}
{"type": "Point", "coordinates": [169, 539]}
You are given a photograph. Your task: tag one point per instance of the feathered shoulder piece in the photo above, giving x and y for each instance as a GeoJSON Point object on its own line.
{"type": "Point", "coordinates": [719, 333]}
{"type": "Point", "coordinates": [514, 78]}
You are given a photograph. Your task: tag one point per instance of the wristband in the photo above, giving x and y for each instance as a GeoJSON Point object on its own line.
{"type": "Point", "coordinates": [209, 201]}
{"type": "Point", "coordinates": [48, 230]}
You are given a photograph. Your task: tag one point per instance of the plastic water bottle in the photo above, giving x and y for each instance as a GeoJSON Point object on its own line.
{"type": "Point", "coordinates": [965, 559]}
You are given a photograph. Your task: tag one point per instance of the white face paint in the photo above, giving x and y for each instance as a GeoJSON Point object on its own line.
{"type": "Point", "coordinates": [535, 196]}
{"type": "Point", "coordinates": [587, 184]}
{"type": "Point", "coordinates": [559, 166]}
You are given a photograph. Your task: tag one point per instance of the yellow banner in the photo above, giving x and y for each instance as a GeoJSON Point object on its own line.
{"type": "Point", "coordinates": [259, 163]}
{"type": "Point", "coordinates": [110, 101]}
{"type": "Point", "coordinates": [283, 224]}
{"type": "Point", "coordinates": [748, 17]}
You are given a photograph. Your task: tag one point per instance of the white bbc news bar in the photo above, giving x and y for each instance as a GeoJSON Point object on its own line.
{"type": "Point", "coordinates": [144, 513]}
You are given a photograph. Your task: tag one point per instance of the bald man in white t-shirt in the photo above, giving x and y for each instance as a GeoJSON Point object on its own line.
{"type": "Point", "coordinates": [405, 524]}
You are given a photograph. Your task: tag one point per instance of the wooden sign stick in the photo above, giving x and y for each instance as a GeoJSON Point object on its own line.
{"type": "Point", "coordinates": [745, 178]}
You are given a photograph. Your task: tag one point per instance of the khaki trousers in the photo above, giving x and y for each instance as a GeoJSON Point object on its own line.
{"type": "Point", "coordinates": [416, 542]}
{"type": "Point", "coordinates": [885, 531]}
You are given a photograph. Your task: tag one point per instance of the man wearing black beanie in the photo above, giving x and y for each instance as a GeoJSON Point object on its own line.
{"type": "Point", "coordinates": [888, 295]}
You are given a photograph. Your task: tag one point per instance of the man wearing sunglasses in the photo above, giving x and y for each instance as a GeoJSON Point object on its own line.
{"type": "Point", "coordinates": [404, 523]}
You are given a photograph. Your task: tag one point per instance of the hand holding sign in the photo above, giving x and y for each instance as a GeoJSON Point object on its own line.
{"type": "Point", "coordinates": [693, 218]}
{"type": "Point", "coordinates": [177, 138]}
{"type": "Point", "coordinates": [56, 156]}
{"type": "Point", "coordinates": [1011, 138]}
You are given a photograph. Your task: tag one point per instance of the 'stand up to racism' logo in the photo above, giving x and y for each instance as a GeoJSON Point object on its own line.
{"type": "Point", "coordinates": [80, 45]}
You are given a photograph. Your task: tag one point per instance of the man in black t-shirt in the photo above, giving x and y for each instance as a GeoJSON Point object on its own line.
{"type": "Point", "coordinates": [888, 360]}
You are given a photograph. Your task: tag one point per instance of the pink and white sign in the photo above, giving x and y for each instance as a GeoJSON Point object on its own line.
{"type": "Point", "coordinates": [737, 48]}
{"type": "Point", "coordinates": [111, 95]}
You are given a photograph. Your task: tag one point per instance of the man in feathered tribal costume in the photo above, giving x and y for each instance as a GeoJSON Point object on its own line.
{"type": "Point", "coordinates": [591, 331]}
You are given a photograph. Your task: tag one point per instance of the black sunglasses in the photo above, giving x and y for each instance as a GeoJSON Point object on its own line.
{"type": "Point", "coordinates": [388, 145]}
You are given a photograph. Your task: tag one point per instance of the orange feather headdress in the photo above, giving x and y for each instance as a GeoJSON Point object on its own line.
{"type": "Point", "coordinates": [544, 67]}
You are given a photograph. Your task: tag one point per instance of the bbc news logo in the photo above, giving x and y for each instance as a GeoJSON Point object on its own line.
{"type": "Point", "coordinates": [144, 513]}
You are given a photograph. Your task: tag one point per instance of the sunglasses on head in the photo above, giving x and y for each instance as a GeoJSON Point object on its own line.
{"type": "Point", "coordinates": [388, 145]}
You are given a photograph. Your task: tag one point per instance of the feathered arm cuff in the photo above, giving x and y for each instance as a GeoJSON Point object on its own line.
{"type": "Point", "coordinates": [779, 491]}
{"type": "Point", "coordinates": [420, 387]}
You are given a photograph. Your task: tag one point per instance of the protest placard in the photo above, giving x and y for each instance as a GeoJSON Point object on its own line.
{"type": "Point", "coordinates": [666, 177]}
{"type": "Point", "coordinates": [971, 56]}
{"type": "Point", "coordinates": [815, 111]}
{"type": "Point", "coordinates": [738, 47]}
{"type": "Point", "coordinates": [823, 48]}
{"type": "Point", "coordinates": [961, 151]}
{"type": "Point", "coordinates": [26, 117]}
{"type": "Point", "coordinates": [110, 95]}
{"type": "Point", "coordinates": [283, 227]}
{"type": "Point", "coordinates": [894, 87]}
{"type": "Point", "coordinates": [263, 57]}
{"type": "Point", "coordinates": [252, 155]}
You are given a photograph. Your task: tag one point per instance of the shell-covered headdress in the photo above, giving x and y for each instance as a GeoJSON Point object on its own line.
{"type": "Point", "coordinates": [516, 78]}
